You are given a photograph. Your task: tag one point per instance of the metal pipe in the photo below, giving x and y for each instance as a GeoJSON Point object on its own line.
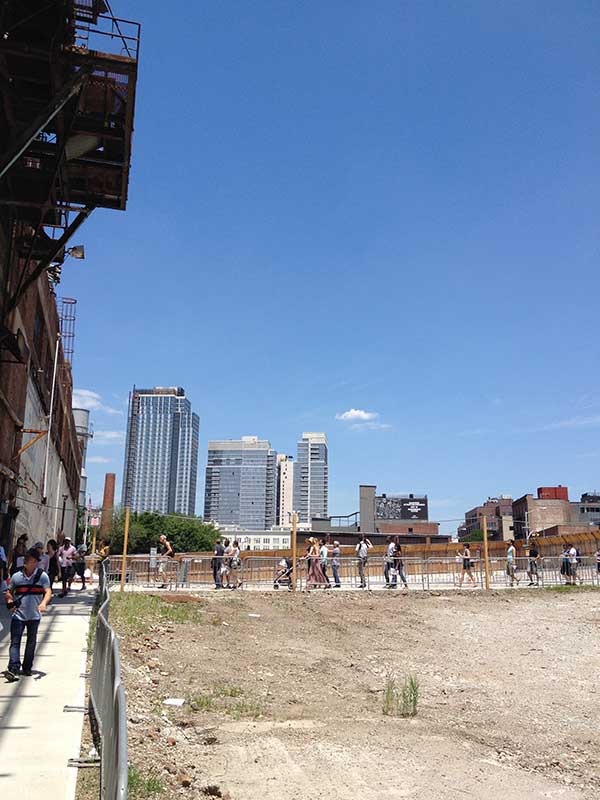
{"type": "Point", "coordinates": [45, 485]}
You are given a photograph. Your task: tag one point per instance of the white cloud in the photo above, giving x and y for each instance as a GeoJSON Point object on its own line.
{"type": "Point", "coordinates": [370, 426]}
{"type": "Point", "coordinates": [357, 414]}
{"type": "Point", "coordinates": [574, 422]}
{"type": "Point", "coordinates": [98, 460]}
{"type": "Point", "coordinates": [85, 398]}
{"type": "Point", "coordinates": [109, 437]}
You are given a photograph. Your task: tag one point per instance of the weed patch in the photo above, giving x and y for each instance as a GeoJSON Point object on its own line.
{"type": "Point", "coordinates": [223, 699]}
{"type": "Point", "coordinates": [142, 786]}
{"type": "Point", "coordinates": [135, 612]}
{"type": "Point", "coordinates": [401, 701]}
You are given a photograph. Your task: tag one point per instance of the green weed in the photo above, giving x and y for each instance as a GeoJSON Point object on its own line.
{"type": "Point", "coordinates": [401, 701]}
{"type": "Point", "coordinates": [142, 786]}
{"type": "Point", "coordinates": [226, 700]}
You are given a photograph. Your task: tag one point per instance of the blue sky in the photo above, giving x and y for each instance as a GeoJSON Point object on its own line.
{"type": "Point", "coordinates": [390, 207]}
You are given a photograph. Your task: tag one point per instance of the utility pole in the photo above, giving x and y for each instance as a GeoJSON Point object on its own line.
{"type": "Point", "coordinates": [294, 548]}
{"type": "Point", "coordinates": [125, 541]}
{"type": "Point", "coordinates": [486, 562]}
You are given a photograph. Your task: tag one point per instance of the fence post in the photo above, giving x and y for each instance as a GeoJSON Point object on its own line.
{"type": "Point", "coordinates": [125, 539]}
{"type": "Point", "coordinates": [294, 548]}
{"type": "Point", "coordinates": [486, 563]}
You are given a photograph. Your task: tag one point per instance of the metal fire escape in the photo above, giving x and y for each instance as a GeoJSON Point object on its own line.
{"type": "Point", "coordinates": [68, 72]}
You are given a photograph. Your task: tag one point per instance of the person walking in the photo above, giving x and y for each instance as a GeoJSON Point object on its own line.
{"type": "Point", "coordinates": [398, 569]}
{"type": "Point", "coordinates": [532, 566]}
{"type": "Point", "coordinates": [167, 553]}
{"type": "Point", "coordinates": [53, 570]}
{"type": "Point", "coordinates": [573, 563]}
{"type": "Point", "coordinates": [66, 556]}
{"type": "Point", "coordinates": [324, 560]}
{"type": "Point", "coordinates": [335, 565]}
{"type": "Point", "coordinates": [315, 576]}
{"type": "Point", "coordinates": [511, 563]}
{"type": "Point", "coordinates": [362, 554]}
{"type": "Point", "coordinates": [18, 554]}
{"type": "Point", "coordinates": [217, 563]}
{"type": "Point", "coordinates": [467, 566]}
{"type": "Point", "coordinates": [79, 564]}
{"type": "Point", "coordinates": [27, 596]}
{"type": "Point", "coordinates": [235, 563]}
{"type": "Point", "coordinates": [597, 557]}
{"type": "Point", "coordinates": [226, 565]}
{"type": "Point", "coordinates": [565, 565]}
{"type": "Point", "coordinates": [388, 562]}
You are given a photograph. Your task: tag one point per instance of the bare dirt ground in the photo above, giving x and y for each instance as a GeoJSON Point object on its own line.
{"type": "Point", "coordinates": [289, 704]}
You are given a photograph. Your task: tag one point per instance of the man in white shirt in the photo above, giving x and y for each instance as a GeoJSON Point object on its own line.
{"type": "Point", "coordinates": [511, 563]}
{"type": "Point", "coordinates": [66, 556]}
{"type": "Point", "coordinates": [362, 552]}
{"type": "Point", "coordinates": [573, 564]}
{"type": "Point", "coordinates": [388, 560]}
{"type": "Point", "coordinates": [324, 560]}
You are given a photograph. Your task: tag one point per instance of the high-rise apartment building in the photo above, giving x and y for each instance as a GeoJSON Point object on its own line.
{"type": "Point", "coordinates": [285, 490]}
{"type": "Point", "coordinates": [311, 477]}
{"type": "Point", "coordinates": [241, 483]}
{"type": "Point", "coordinates": [161, 452]}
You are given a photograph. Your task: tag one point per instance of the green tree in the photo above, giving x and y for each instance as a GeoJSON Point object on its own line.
{"type": "Point", "coordinates": [474, 536]}
{"type": "Point", "coordinates": [186, 534]}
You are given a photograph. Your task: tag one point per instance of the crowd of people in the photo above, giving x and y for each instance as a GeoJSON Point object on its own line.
{"type": "Point", "coordinates": [27, 578]}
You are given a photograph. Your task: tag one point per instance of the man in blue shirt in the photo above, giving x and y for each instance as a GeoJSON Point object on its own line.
{"type": "Point", "coordinates": [28, 595]}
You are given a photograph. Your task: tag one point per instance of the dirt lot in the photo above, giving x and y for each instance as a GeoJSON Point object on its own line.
{"type": "Point", "coordinates": [289, 704]}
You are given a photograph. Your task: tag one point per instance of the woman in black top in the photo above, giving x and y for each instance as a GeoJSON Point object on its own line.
{"type": "Point", "coordinates": [53, 563]}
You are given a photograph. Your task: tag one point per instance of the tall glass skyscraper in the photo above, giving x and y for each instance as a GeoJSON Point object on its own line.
{"type": "Point", "coordinates": [311, 477]}
{"type": "Point", "coordinates": [241, 483]}
{"type": "Point", "coordinates": [161, 452]}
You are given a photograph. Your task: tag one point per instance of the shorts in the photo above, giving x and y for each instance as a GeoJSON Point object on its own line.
{"type": "Point", "coordinates": [510, 570]}
{"type": "Point", "coordinates": [68, 571]}
{"type": "Point", "coordinates": [533, 568]}
{"type": "Point", "coordinates": [80, 569]}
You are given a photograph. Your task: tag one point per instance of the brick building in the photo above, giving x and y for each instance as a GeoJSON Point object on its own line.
{"type": "Point", "coordinates": [66, 119]}
{"type": "Point", "coordinates": [499, 515]}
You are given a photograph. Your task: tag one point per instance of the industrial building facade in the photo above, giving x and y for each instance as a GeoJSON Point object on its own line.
{"type": "Point", "coordinates": [161, 452]}
{"type": "Point", "coordinates": [69, 72]}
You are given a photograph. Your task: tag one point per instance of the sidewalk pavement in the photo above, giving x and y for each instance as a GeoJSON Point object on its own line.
{"type": "Point", "coordinates": [37, 738]}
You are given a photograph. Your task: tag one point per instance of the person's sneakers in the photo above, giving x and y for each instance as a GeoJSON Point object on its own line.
{"type": "Point", "coordinates": [531, 583]}
{"type": "Point", "coordinates": [11, 676]}
{"type": "Point", "coordinates": [62, 594]}
{"type": "Point", "coordinates": [26, 672]}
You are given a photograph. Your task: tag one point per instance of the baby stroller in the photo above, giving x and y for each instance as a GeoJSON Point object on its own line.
{"type": "Point", "coordinates": [283, 576]}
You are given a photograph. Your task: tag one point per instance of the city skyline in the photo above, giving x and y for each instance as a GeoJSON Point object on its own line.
{"type": "Point", "coordinates": [449, 178]}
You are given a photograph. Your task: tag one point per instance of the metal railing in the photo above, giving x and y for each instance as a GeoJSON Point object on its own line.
{"type": "Point", "coordinates": [107, 700]}
{"type": "Point", "coordinates": [268, 572]}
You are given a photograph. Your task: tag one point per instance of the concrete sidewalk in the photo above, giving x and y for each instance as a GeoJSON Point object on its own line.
{"type": "Point", "coordinates": [37, 738]}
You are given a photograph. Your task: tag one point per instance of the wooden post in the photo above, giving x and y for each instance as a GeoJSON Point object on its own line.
{"type": "Point", "coordinates": [486, 562]}
{"type": "Point", "coordinates": [294, 548]}
{"type": "Point", "coordinates": [125, 540]}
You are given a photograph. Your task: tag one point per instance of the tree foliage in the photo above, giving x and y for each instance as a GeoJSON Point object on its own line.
{"type": "Point", "coordinates": [186, 534]}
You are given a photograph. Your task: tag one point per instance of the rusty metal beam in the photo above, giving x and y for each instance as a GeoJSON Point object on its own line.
{"type": "Point", "coordinates": [40, 435]}
{"type": "Point", "coordinates": [71, 88]}
{"type": "Point", "coordinates": [43, 265]}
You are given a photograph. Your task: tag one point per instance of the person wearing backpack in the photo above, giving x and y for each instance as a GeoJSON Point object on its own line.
{"type": "Point", "coordinates": [27, 596]}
